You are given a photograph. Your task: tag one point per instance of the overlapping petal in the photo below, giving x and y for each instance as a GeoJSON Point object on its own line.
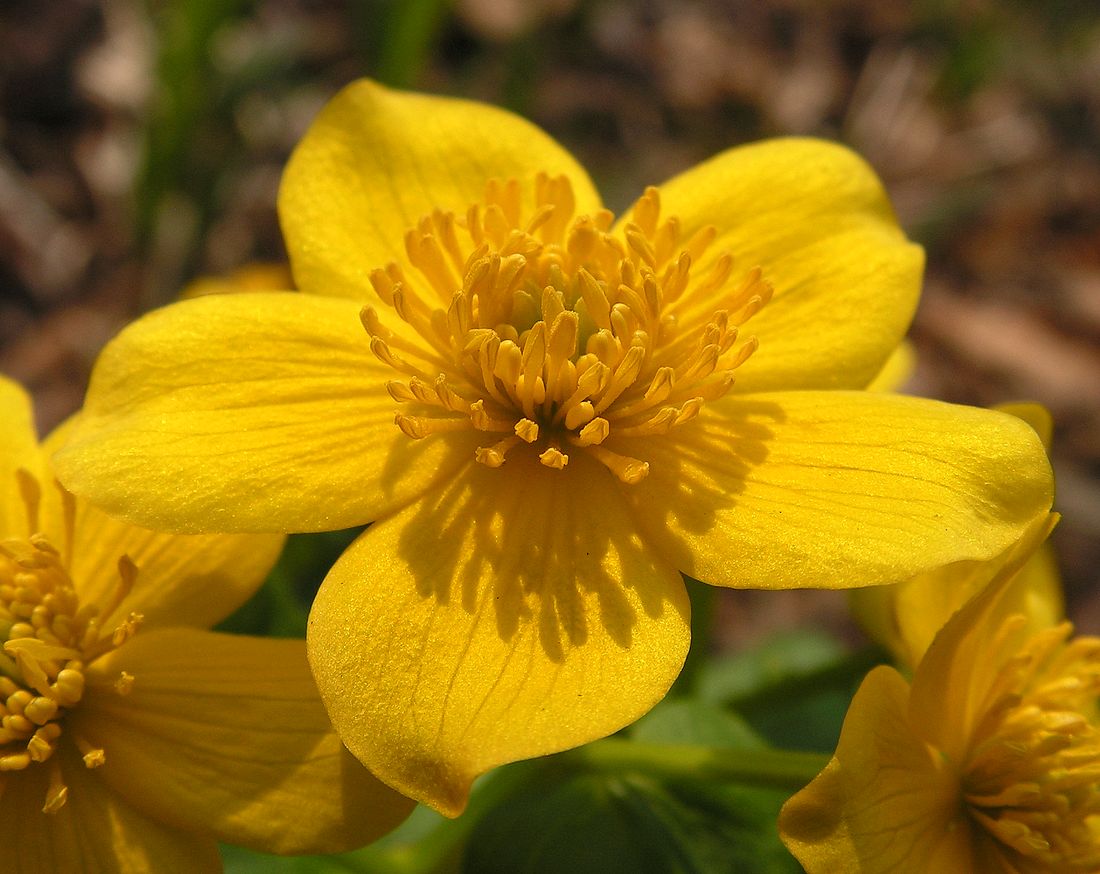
{"type": "Point", "coordinates": [837, 489]}
{"type": "Point", "coordinates": [248, 412]}
{"type": "Point", "coordinates": [18, 449]}
{"type": "Point", "coordinates": [225, 735]}
{"type": "Point", "coordinates": [194, 580]}
{"type": "Point", "coordinates": [815, 218]}
{"type": "Point", "coordinates": [95, 832]}
{"type": "Point", "coordinates": [906, 618]}
{"type": "Point", "coordinates": [886, 802]}
{"type": "Point", "coordinates": [950, 685]}
{"type": "Point", "coordinates": [375, 161]}
{"type": "Point", "coordinates": [502, 618]}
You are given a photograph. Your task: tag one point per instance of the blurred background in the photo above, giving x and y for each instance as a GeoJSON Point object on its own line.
{"type": "Point", "coordinates": [141, 146]}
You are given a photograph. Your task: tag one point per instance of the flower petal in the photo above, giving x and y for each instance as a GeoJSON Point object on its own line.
{"type": "Point", "coordinates": [375, 161]}
{"type": "Point", "coordinates": [95, 832]}
{"type": "Point", "coordinates": [897, 370]}
{"type": "Point", "coordinates": [815, 218]}
{"type": "Point", "coordinates": [837, 489]}
{"type": "Point", "coordinates": [226, 735]}
{"type": "Point", "coordinates": [952, 682]}
{"type": "Point", "coordinates": [182, 579]}
{"type": "Point", "coordinates": [886, 802]}
{"type": "Point", "coordinates": [18, 449]}
{"type": "Point", "coordinates": [247, 412]}
{"type": "Point", "coordinates": [515, 614]}
{"type": "Point", "coordinates": [906, 617]}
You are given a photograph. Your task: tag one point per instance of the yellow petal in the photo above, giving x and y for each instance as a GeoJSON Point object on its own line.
{"type": "Point", "coordinates": [226, 735]}
{"type": "Point", "coordinates": [18, 449]}
{"type": "Point", "coordinates": [182, 579]}
{"type": "Point", "coordinates": [375, 161]}
{"type": "Point", "coordinates": [837, 489]}
{"type": "Point", "coordinates": [1036, 415]}
{"type": "Point", "coordinates": [897, 369]}
{"type": "Point", "coordinates": [886, 803]}
{"type": "Point", "coordinates": [247, 412]}
{"type": "Point", "coordinates": [515, 614]}
{"type": "Point", "coordinates": [906, 617]}
{"type": "Point", "coordinates": [95, 832]}
{"type": "Point", "coordinates": [952, 681]}
{"type": "Point", "coordinates": [814, 217]}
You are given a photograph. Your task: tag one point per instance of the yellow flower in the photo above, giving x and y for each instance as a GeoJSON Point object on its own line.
{"type": "Point", "coordinates": [131, 739]}
{"type": "Point", "coordinates": [905, 617]}
{"type": "Point", "coordinates": [989, 762]}
{"type": "Point", "coordinates": [570, 436]}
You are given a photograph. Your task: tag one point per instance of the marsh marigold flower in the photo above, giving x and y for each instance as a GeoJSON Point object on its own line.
{"type": "Point", "coordinates": [988, 763]}
{"type": "Point", "coordinates": [131, 739]}
{"type": "Point", "coordinates": [549, 414]}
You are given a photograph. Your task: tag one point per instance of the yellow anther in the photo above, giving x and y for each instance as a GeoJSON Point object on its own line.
{"type": "Point", "coordinates": [40, 710]}
{"type": "Point", "coordinates": [15, 762]}
{"type": "Point", "coordinates": [527, 430]}
{"type": "Point", "coordinates": [545, 328]}
{"type": "Point", "coordinates": [579, 415]}
{"type": "Point", "coordinates": [125, 683]}
{"type": "Point", "coordinates": [554, 457]}
{"type": "Point", "coordinates": [593, 433]}
{"type": "Point", "coordinates": [95, 759]}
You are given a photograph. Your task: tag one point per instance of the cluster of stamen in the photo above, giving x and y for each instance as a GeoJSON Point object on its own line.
{"type": "Point", "coordinates": [47, 639]}
{"type": "Point", "coordinates": [1033, 778]}
{"type": "Point", "coordinates": [548, 330]}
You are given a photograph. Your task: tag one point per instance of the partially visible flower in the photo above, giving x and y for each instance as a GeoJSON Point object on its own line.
{"type": "Point", "coordinates": [905, 617]}
{"type": "Point", "coordinates": [989, 762]}
{"type": "Point", "coordinates": [256, 276]}
{"type": "Point", "coordinates": [897, 369]}
{"type": "Point", "coordinates": [131, 740]}
{"type": "Point", "coordinates": [549, 415]}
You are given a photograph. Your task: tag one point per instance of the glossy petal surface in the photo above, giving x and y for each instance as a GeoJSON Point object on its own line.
{"type": "Point", "coordinates": [375, 161]}
{"type": "Point", "coordinates": [886, 802]}
{"type": "Point", "coordinates": [502, 618]}
{"type": "Point", "coordinates": [814, 217]}
{"type": "Point", "coordinates": [18, 449]}
{"type": "Point", "coordinates": [96, 832]}
{"type": "Point", "coordinates": [248, 412]}
{"type": "Point", "coordinates": [837, 489]}
{"type": "Point", "coordinates": [226, 735]}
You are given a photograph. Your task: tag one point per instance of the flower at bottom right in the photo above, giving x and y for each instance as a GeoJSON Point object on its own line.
{"type": "Point", "coordinates": [988, 761]}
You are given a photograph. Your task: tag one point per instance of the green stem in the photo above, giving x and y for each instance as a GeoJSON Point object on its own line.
{"type": "Point", "coordinates": [778, 769]}
{"type": "Point", "coordinates": [441, 846]}
{"type": "Point", "coordinates": [410, 27]}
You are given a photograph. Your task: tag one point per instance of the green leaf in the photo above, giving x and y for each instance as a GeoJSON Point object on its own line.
{"type": "Point", "coordinates": [782, 658]}
{"type": "Point", "coordinates": [690, 721]}
{"type": "Point", "coordinates": [281, 606]}
{"type": "Point", "coordinates": [628, 823]}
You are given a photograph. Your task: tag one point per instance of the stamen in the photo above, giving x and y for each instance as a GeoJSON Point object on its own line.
{"type": "Point", "coordinates": [31, 493]}
{"type": "Point", "coordinates": [629, 470]}
{"type": "Point", "coordinates": [546, 329]}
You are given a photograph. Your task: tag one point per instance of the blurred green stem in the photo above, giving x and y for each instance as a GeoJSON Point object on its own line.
{"type": "Point", "coordinates": [409, 31]}
{"type": "Point", "coordinates": [776, 769]}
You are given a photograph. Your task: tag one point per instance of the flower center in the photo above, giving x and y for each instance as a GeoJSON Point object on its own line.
{"type": "Point", "coordinates": [548, 331]}
{"type": "Point", "coordinates": [47, 639]}
{"type": "Point", "coordinates": [1032, 781]}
